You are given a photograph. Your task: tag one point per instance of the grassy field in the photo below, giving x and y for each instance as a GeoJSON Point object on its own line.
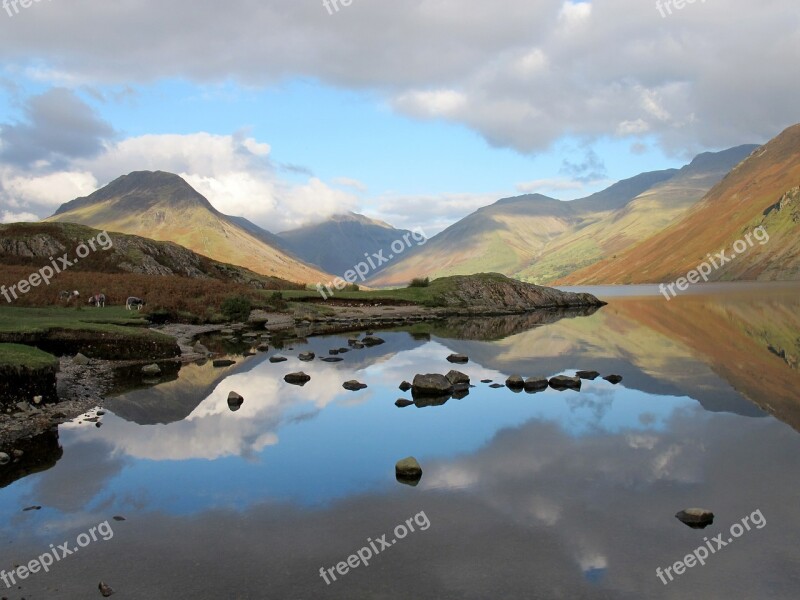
{"type": "Point", "coordinates": [17, 356]}
{"type": "Point", "coordinates": [114, 319]}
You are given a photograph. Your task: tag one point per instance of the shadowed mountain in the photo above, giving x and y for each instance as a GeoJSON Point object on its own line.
{"type": "Point", "coordinates": [162, 206]}
{"type": "Point", "coordinates": [341, 241]}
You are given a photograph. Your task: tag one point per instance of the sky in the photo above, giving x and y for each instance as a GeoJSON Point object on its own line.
{"type": "Point", "coordinates": [416, 112]}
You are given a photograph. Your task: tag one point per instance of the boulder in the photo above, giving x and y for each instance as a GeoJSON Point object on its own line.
{"type": "Point", "coordinates": [515, 382]}
{"type": "Point", "coordinates": [458, 359]}
{"type": "Point", "coordinates": [297, 378]}
{"type": "Point", "coordinates": [536, 384]}
{"type": "Point", "coordinates": [696, 518]}
{"type": "Point", "coordinates": [456, 377]}
{"type": "Point", "coordinates": [354, 385]}
{"type": "Point", "coordinates": [80, 359]}
{"type": "Point", "coordinates": [563, 382]}
{"type": "Point", "coordinates": [614, 379]}
{"type": "Point", "coordinates": [277, 359]}
{"type": "Point", "coordinates": [402, 403]}
{"type": "Point", "coordinates": [590, 375]}
{"type": "Point", "coordinates": [405, 386]}
{"type": "Point", "coordinates": [358, 346]}
{"type": "Point", "coordinates": [371, 340]}
{"type": "Point", "coordinates": [235, 401]}
{"type": "Point", "coordinates": [431, 384]}
{"type": "Point", "coordinates": [408, 469]}
{"type": "Point", "coordinates": [307, 356]}
{"type": "Point", "coordinates": [151, 370]}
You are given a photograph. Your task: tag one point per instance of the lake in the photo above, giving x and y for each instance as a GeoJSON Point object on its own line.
{"type": "Point", "coordinates": [547, 495]}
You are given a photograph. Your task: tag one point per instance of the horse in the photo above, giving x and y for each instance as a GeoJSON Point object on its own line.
{"type": "Point", "coordinates": [68, 297]}
{"type": "Point", "coordinates": [134, 302]}
{"type": "Point", "coordinates": [98, 300]}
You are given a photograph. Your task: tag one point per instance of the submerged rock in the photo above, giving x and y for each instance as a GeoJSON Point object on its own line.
{"type": "Point", "coordinates": [223, 362]}
{"type": "Point", "coordinates": [590, 375]}
{"type": "Point", "coordinates": [408, 471]}
{"type": "Point", "coordinates": [332, 359]}
{"type": "Point", "coordinates": [151, 370]}
{"type": "Point", "coordinates": [614, 379]}
{"type": "Point", "coordinates": [277, 359]}
{"type": "Point", "coordinates": [458, 359]}
{"type": "Point", "coordinates": [307, 356]}
{"type": "Point", "coordinates": [354, 385]}
{"type": "Point", "coordinates": [402, 403]}
{"type": "Point", "coordinates": [486, 380]}
{"type": "Point", "coordinates": [536, 384]}
{"type": "Point", "coordinates": [297, 378]}
{"type": "Point", "coordinates": [371, 340]}
{"type": "Point", "coordinates": [425, 401]}
{"type": "Point", "coordinates": [563, 382]}
{"type": "Point", "coordinates": [431, 384]}
{"type": "Point", "coordinates": [497, 386]}
{"type": "Point", "coordinates": [696, 518]}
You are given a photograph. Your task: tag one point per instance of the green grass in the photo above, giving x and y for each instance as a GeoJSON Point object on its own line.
{"type": "Point", "coordinates": [18, 356]}
{"type": "Point", "coordinates": [114, 319]}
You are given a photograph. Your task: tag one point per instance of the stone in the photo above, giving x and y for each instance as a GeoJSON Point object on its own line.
{"type": "Point", "coordinates": [405, 386]}
{"type": "Point", "coordinates": [80, 359]}
{"type": "Point", "coordinates": [696, 518]}
{"type": "Point", "coordinates": [497, 386]}
{"type": "Point", "coordinates": [277, 359]}
{"type": "Point", "coordinates": [515, 382]}
{"type": "Point", "coordinates": [332, 359]}
{"type": "Point", "coordinates": [354, 385]}
{"type": "Point", "coordinates": [4, 459]}
{"type": "Point", "coordinates": [431, 384]}
{"type": "Point", "coordinates": [456, 377]}
{"type": "Point", "coordinates": [408, 468]}
{"type": "Point", "coordinates": [358, 346]}
{"type": "Point", "coordinates": [151, 370]}
{"type": "Point", "coordinates": [563, 382]}
{"type": "Point", "coordinates": [402, 403]}
{"type": "Point", "coordinates": [486, 381]}
{"type": "Point", "coordinates": [37, 399]}
{"type": "Point", "coordinates": [262, 347]}
{"type": "Point", "coordinates": [105, 590]}
{"type": "Point", "coordinates": [235, 401]}
{"type": "Point", "coordinates": [458, 358]}
{"type": "Point", "coordinates": [201, 349]}
{"type": "Point", "coordinates": [307, 356]}
{"type": "Point", "coordinates": [297, 378]}
{"type": "Point", "coordinates": [590, 375]}
{"type": "Point", "coordinates": [371, 340]}
{"type": "Point", "coordinates": [536, 384]}
{"type": "Point", "coordinates": [613, 379]}
{"type": "Point", "coordinates": [223, 362]}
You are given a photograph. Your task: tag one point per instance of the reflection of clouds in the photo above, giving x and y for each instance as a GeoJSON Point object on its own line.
{"type": "Point", "coordinates": [212, 431]}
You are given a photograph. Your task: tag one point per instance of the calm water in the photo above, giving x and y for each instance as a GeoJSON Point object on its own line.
{"type": "Point", "coordinates": [549, 495]}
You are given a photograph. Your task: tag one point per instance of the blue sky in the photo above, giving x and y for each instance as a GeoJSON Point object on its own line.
{"type": "Point", "coordinates": [417, 114]}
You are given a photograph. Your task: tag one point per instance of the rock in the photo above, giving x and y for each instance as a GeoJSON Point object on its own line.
{"type": "Point", "coordinates": [696, 518]}
{"type": "Point", "coordinates": [223, 362]}
{"type": "Point", "coordinates": [405, 386]}
{"type": "Point", "coordinates": [227, 331]}
{"type": "Point", "coordinates": [459, 393]}
{"type": "Point", "coordinates": [402, 403]}
{"type": "Point", "coordinates": [307, 356]}
{"type": "Point", "coordinates": [277, 359]}
{"type": "Point", "coordinates": [201, 349]}
{"type": "Point", "coordinates": [118, 518]}
{"type": "Point", "coordinates": [536, 384]}
{"type": "Point", "coordinates": [262, 347]}
{"type": "Point", "coordinates": [497, 386]}
{"type": "Point", "coordinates": [408, 470]}
{"type": "Point", "coordinates": [332, 359]}
{"type": "Point", "coordinates": [333, 351]}
{"type": "Point", "coordinates": [80, 359]}
{"type": "Point", "coordinates": [344, 350]}
{"type": "Point", "coordinates": [456, 377]}
{"type": "Point", "coordinates": [371, 340]}
{"type": "Point", "coordinates": [151, 370]}
{"type": "Point", "coordinates": [461, 387]}
{"type": "Point", "coordinates": [17, 453]}
{"type": "Point", "coordinates": [425, 401]}
{"type": "Point", "coordinates": [563, 382]}
{"type": "Point", "coordinates": [486, 381]}
{"type": "Point", "coordinates": [614, 379]}
{"type": "Point", "coordinates": [515, 382]}
{"type": "Point", "coordinates": [98, 424]}
{"type": "Point", "coordinates": [431, 384]}
{"type": "Point", "coordinates": [23, 406]}
{"type": "Point", "coordinates": [106, 590]}
{"type": "Point", "coordinates": [358, 346]}
{"type": "Point", "coordinates": [297, 378]}
{"type": "Point", "coordinates": [352, 341]}
{"type": "Point", "coordinates": [354, 385]}
{"type": "Point", "coordinates": [458, 358]}
{"type": "Point", "coordinates": [590, 375]}
{"type": "Point", "coordinates": [4, 459]}
{"type": "Point", "coordinates": [37, 399]}
{"type": "Point", "coordinates": [235, 401]}
{"type": "Point", "coordinates": [30, 508]}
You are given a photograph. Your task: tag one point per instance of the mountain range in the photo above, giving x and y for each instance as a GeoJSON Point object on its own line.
{"type": "Point", "coordinates": [652, 227]}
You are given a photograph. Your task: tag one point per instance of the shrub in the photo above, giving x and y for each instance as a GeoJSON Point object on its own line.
{"type": "Point", "coordinates": [237, 308]}
{"type": "Point", "coordinates": [419, 282]}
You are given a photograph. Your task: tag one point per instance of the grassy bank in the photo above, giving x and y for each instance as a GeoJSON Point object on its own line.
{"type": "Point", "coordinates": [17, 357]}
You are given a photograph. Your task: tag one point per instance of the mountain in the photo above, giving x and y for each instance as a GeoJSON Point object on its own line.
{"type": "Point", "coordinates": [763, 191]}
{"type": "Point", "coordinates": [162, 206]}
{"type": "Point", "coordinates": [538, 239]}
{"type": "Point", "coordinates": [338, 243]}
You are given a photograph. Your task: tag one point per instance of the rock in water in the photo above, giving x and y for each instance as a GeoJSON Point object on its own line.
{"type": "Point", "coordinates": [614, 379]}
{"type": "Point", "coordinates": [307, 356]}
{"type": "Point", "coordinates": [354, 385]}
{"type": "Point", "coordinates": [371, 340]}
{"type": "Point", "coordinates": [515, 383]}
{"type": "Point", "coordinates": [235, 401]}
{"type": "Point", "coordinates": [457, 377]}
{"type": "Point", "coordinates": [277, 359]}
{"type": "Point", "coordinates": [431, 384]}
{"type": "Point", "coordinates": [536, 384]}
{"type": "Point", "coordinates": [405, 386]}
{"type": "Point", "coordinates": [151, 370]}
{"type": "Point", "coordinates": [696, 518]}
{"type": "Point", "coordinates": [220, 362]}
{"type": "Point", "coordinates": [458, 359]}
{"type": "Point", "coordinates": [106, 590]}
{"type": "Point", "coordinates": [297, 378]}
{"type": "Point", "coordinates": [590, 375]}
{"type": "Point", "coordinates": [4, 458]}
{"type": "Point", "coordinates": [562, 382]}
{"type": "Point", "coordinates": [332, 359]}
{"type": "Point", "coordinates": [408, 471]}
{"type": "Point", "coordinates": [402, 403]}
